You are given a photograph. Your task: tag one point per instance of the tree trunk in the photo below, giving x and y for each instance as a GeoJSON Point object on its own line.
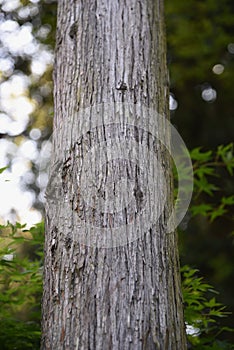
{"type": "Point", "coordinates": [111, 268]}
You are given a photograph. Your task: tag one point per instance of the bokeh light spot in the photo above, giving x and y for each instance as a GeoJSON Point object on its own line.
{"type": "Point", "coordinates": [218, 69]}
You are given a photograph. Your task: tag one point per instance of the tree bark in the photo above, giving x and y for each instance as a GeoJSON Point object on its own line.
{"type": "Point", "coordinates": [111, 276]}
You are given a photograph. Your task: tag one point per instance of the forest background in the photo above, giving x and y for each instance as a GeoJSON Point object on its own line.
{"type": "Point", "coordinates": [200, 37]}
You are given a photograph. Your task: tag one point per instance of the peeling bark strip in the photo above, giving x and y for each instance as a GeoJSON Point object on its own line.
{"type": "Point", "coordinates": [127, 296]}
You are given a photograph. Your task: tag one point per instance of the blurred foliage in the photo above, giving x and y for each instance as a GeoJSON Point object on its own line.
{"type": "Point", "coordinates": [200, 36]}
{"type": "Point", "coordinates": [211, 210]}
{"type": "Point", "coordinates": [202, 313]}
{"type": "Point", "coordinates": [200, 40]}
{"type": "Point", "coordinates": [39, 17]}
{"type": "Point", "coordinates": [21, 258]}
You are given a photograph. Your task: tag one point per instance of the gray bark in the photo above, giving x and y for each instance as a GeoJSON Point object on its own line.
{"type": "Point", "coordinates": [111, 276]}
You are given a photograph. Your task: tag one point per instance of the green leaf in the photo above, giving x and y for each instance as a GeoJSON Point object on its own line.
{"type": "Point", "coordinates": [202, 209]}
{"type": "Point", "coordinates": [228, 200]}
{"type": "Point", "coordinates": [203, 185]}
{"type": "Point", "coordinates": [3, 169]}
{"type": "Point", "coordinates": [226, 154]}
{"type": "Point", "coordinates": [217, 212]}
{"type": "Point", "coordinates": [201, 312]}
{"type": "Point", "coordinates": [197, 155]}
{"type": "Point", "coordinates": [204, 170]}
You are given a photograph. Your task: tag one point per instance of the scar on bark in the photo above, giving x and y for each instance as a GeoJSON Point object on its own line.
{"type": "Point", "coordinates": [139, 196]}
{"type": "Point", "coordinates": [73, 30]}
{"type": "Point", "coordinates": [122, 86]}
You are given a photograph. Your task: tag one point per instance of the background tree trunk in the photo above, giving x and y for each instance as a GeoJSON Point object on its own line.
{"type": "Point", "coordinates": [109, 292]}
